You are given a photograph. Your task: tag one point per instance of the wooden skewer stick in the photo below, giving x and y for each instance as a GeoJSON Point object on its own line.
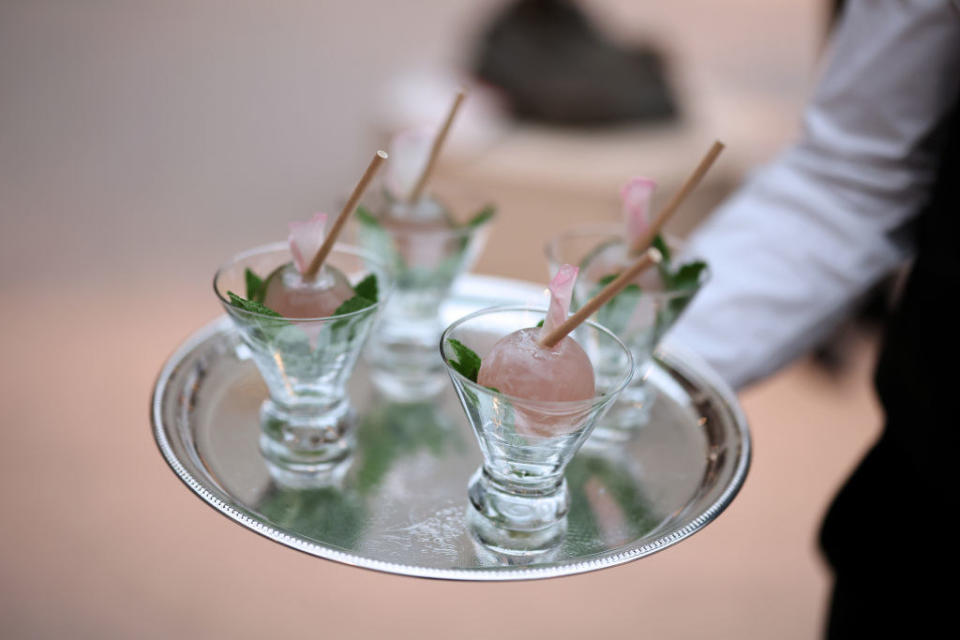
{"type": "Point", "coordinates": [646, 239]}
{"type": "Point", "coordinates": [650, 257]}
{"type": "Point", "coordinates": [348, 208]}
{"type": "Point", "coordinates": [435, 149]}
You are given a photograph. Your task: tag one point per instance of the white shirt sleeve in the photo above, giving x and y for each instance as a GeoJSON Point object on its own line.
{"type": "Point", "coordinates": [794, 247]}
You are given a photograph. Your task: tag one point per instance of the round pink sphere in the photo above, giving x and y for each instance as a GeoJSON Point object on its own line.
{"type": "Point", "coordinates": [518, 366]}
{"type": "Point", "coordinates": [292, 297]}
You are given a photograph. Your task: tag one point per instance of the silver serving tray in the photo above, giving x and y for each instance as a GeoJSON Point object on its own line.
{"type": "Point", "coordinates": [401, 505]}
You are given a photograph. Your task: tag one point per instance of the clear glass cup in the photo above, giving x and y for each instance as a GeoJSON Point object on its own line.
{"type": "Point", "coordinates": [426, 251]}
{"type": "Point", "coordinates": [518, 495]}
{"type": "Point", "coordinates": [640, 316]}
{"type": "Point", "coordinates": [306, 363]}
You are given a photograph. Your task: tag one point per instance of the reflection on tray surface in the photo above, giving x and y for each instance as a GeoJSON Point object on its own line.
{"type": "Point", "coordinates": [608, 505]}
{"type": "Point", "coordinates": [392, 430]}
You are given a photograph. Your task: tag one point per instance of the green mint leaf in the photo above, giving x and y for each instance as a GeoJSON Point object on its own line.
{"type": "Point", "coordinates": [251, 305]}
{"type": "Point", "coordinates": [481, 216]}
{"type": "Point", "coordinates": [688, 275]}
{"type": "Point", "coordinates": [262, 328]}
{"type": "Point", "coordinates": [540, 324]}
{"type": "Point", "coordinates": [367, 288]}
{"type": "Point", "coordinates": [604, 281]}
{"type": "Point", "coordinates": [255, 287]}
{"type": "Point", "coordinates": [684, 282]}
{"type": "Point", "coordinates": [467, 363]}
{"type": "Point", "coordinates": [366, 217]}
{"type": "Point", "coordinates": [356, 303]}
{"type": "Point", "coordinates": [617, 312]}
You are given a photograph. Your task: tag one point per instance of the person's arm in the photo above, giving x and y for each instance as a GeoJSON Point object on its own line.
{"type": "Point", "coordinates": [813, 230]}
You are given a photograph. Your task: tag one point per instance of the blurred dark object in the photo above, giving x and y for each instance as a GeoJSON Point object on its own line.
{"type": "Point", "coordinates": [554, 66]}
{"type": "Point", "coordinates": [836, 8]}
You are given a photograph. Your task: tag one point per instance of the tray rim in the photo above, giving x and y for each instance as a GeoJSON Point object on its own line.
{"type": "Point", "coordinates": [676, 358]}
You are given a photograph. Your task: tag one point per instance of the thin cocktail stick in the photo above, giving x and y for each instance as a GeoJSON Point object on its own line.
{"type": "Point", "coordinates": [437, 145]}
{"type": "Point", "coordinates": [348, 208]}
{"type": "Point", "coordinates": [663, 216]}
{"type": "Point", "coordinates": [650, 257]}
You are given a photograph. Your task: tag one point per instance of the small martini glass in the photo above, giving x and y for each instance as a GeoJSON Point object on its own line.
{"type": "Point", "coordinates": [518, 496]}
{"type": "Point", "coordinates": [306, 363]}
{"type": "Point", "coordinates": [639, 315]}
{"type": "Point", "coordinates": [427, 248]}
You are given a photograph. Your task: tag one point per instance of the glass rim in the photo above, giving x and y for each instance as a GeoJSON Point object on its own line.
{"type": "Point", "coordinates": [613, 231]}
{"type": "Point", "coordinates": [462, 231]}
{"type": "Point", "coordinates": [453, 232]}
{"type": "Point", "coordinates": [382, 293]}
{"type": "Point", "coordinates": [615, 389]}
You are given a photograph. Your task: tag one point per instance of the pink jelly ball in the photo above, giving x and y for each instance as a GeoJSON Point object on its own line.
{"type": "Point", "coordinates": [293, 297]}
{"type": "Point", "coordinates": [518, 366]}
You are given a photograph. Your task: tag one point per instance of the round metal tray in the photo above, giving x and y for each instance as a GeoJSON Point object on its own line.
{"type": "Point", "coordinates": [401, 506]}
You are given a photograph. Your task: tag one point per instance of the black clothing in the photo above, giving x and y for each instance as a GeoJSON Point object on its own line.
{"type": "Point", "coordinates": [887, 534]}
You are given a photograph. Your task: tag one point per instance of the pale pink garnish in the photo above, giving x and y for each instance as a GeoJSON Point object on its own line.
{"type": "Point", "coordinates": [561, 290]}
{"type": "Point", "coordinates": [409, 151]}
{"type": "Point", "coordinates": [305, 239]}
{"type": "Point", "coordinates": [636, 196]}
{"type": "Point", "coordinates": [518, 366]}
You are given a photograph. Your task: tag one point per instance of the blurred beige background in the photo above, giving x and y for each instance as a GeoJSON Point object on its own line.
{"type": "Point", "coordinates": [141, 143]}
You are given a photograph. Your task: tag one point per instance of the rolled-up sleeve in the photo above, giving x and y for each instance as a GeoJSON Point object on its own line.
{"type": "Point", "coordinates": [807, 234]}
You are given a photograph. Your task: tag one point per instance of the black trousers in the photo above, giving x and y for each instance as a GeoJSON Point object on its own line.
{"type": "Point", "coordinates": [891, 546]}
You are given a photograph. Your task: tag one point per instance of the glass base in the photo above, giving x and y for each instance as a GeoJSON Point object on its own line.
{"type": "Point", "coordinates": [305, 441]}
{"type": "Point", "coordinates": [328, 476]}
{"type": "Point", "coordinates": [515, 511]}
{"type": "Point", "coordinates": [498, 546]}
{"type": "Point", "coordinates": [406, 371]}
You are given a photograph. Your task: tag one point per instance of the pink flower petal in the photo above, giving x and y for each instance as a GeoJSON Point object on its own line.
{"type": "Point", "coordinates": [306, 237]}
{"type": "Point", "coordinates": [561, 291]}
{"type": "Point", "coordinates": [409, 151]}
{"type": "Point", "coordinates": [636, 196]}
